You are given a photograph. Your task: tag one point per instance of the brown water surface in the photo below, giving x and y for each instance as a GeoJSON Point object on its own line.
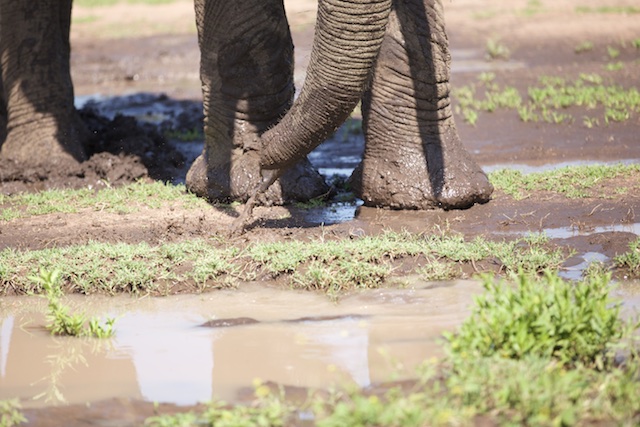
{"type": "Point", "coordinates": [162, 353]}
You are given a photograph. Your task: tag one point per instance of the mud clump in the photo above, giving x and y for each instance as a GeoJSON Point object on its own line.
{"type": "Point", "coordinates": [120, 151]}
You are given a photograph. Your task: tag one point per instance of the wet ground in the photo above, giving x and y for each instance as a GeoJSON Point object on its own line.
{"type": "Point", "coordinates": [162, 351]}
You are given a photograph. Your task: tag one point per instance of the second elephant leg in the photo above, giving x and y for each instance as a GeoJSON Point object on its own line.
{"type": "Point", "coordinates": [413, 156]}
{"type": "Point", "coordinates": [247, 82]}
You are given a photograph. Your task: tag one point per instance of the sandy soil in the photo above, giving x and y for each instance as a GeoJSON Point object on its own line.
{"type": "Point", "coordinates": [121, 50]}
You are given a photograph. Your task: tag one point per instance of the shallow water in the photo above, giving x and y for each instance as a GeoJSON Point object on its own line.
{"type": "Point", "coordinates": [162, 353]}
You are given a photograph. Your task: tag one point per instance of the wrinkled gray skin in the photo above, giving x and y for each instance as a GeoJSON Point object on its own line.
{"type": "Point", "coordinates": [394, 52]}
{"type": "Point", "coordinates": [39, 125]}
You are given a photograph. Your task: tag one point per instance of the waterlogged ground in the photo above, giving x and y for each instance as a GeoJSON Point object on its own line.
{"type": "Point", "coordinates": [180, 350]}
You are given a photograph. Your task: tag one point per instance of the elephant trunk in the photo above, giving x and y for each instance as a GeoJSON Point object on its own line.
{"type": "Point", "coordinates": [348, 37]}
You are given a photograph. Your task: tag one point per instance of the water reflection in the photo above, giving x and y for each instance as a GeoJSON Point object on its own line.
{"type": "Point", "coordinates": [162, 353]}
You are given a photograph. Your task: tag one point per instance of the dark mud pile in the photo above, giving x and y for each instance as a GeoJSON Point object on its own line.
{"type": "Point", "coordinates": [121, 150]}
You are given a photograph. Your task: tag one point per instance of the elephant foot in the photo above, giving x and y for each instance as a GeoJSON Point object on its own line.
{"type": "Point", "coordinates": [437, 174]}
{"type": "Point", "coordinates": [43, 145]}
{"type": "Point", "coordinates": [237, 178]}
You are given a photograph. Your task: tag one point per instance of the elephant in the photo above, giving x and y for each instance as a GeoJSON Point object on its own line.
{"type": "Point", "coordinates": [390, 54]}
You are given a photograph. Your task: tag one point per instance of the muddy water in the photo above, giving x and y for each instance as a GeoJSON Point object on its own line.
{"type": "Point", "coordinates": [161, 351]}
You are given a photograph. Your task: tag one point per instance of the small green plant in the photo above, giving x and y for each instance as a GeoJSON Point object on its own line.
{"type": "Point", "coordinates": [590, 122]}
{"type": "Point", "coordinates": [630, 260]}
{"type": "Point", "coordinates": [595, 269]}
{"type": "Point", "coordinates": [533, 8]}
{"type": "Point", "coordinates": [613, 52]}
{"type": "Point", "coordinates": [195, 134]}
{"type": "Point", "coordinates": [317, 202]}
{"type": "Point", "coordinates": [59, 321]}
{"type": "Point", "coordinates": [585, 46]}
{"type": "Point", "coordinates": [10, 413]}
{"type": "Point", "coordinates": [268, 410]}
{"type": "Point", "coordinates": [614, 66]}
{"type": "Point", "coordinates": [574, 324]}
{"type": "Point", "coordinates": [496, 50]}
{"type": "Point", "coordinates": [636, 43]}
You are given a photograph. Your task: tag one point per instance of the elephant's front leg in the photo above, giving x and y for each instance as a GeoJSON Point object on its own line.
{"type": "Point", "coordinates": [247, 82]}
{"type": "Point", "coordinates": [413, 156]}
{"type": "Point", "coordinates": [43, 128]}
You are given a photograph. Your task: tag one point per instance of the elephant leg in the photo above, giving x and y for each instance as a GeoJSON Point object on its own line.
{"type": "Point", "coordinates": [3, 114]}
{"type": "Point", "coordinates": [247, 83]}
{"type": "Point", "coordinates": [43, 127]}
{"type": "Point", "coordinates": [413, 157]}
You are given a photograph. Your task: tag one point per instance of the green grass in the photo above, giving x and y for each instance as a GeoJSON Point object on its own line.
{"type": "Point", "coordinates": [495, 50]}
{"type": "Point", "coordinates": [59, 321]}
{"type": "Point", "coordinates": [337, 266]}
{"type": "Point", "coordinates": [573, 324]}
{"type": "Point", "coordinates": [585, 46]}
{"type": "Point", "coordinates": [329, 266]}
{"type": "Point", "coordinates": [536, 352]}
{"type": "Point", "coordinates": [10, 413]}
{"type": "Point", "coordinates": [195, 134]}
{"type": "Point", "coordinates": [550, 100]}
{"type": "Point", "coordinates": [571, 181]}
{"type": "Point", "coordinates": [627, 10]}
{"type": "Point", "coordinates": [121, 200]}
{"type": "Point", "coordinates": [630, 261]}
{"type": "Point", "coordinates": [116, 268]}
{"type": "Point", "coordinates": [533, 7]}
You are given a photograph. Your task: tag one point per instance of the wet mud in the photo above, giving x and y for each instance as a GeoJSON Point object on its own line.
{"type": "Point", "coordinates": [142, 94]}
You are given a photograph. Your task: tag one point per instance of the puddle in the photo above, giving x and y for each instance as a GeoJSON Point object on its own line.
{"type": "Point", "coordinates": [335, 213]}
{"type": "Point", "coordinates": [575, 272]}
{"type": "Point", "coordinates": [162, 353]}
{"type": "Point", "coordinates": [567, 232]}
{"type": "Point", "coordinates": [151, 108]}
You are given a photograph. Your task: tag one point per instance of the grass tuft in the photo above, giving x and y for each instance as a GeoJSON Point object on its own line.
{"type": "Point", "coordinates": [10, 413]}
{"type": "Point", "coordinates": [59, 321]}
{"type": "Point", "coordinates": [551, 319]}
{"type": "Point", "coordinates": [120, 200]}
{"type": "Point", "coordinates": [332, 266]}
{"type": "Point", "coordinates": [572, 181]}
{"type": "Point", "coordinates": [549, 100]}
{"type": "Point", "coordinates": [630, 260]}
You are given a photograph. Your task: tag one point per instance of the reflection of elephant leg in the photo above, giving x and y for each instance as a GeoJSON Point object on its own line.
{"type": "Point", "coordinates": [413, 157]}
{"type": "Point", "coordinates": [247, 81]}
{"type": "Point", "coordinates": [43, 125]}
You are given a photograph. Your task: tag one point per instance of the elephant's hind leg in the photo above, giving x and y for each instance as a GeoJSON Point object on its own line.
{"type": "Point", "coordinates": [413, 156]}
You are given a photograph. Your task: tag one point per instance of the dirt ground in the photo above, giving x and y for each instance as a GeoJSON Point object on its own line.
{"type": "Point", "coordinates": [134, 48]}
{"type": "Point", "coordinates": [120, 50]}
